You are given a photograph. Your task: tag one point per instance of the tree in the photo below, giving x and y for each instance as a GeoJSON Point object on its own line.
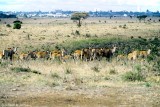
{"type": "Point", "coordinates": [142, 17]}
{"type": "Point", "coordinates": [79, 16]}
{"type": "Point", "coordinates": [17, 24]}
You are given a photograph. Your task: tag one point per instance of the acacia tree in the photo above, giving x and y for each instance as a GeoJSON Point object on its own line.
{"type": "Point", "coordinates": [79, 16]}
{"type": "Point", "coordinates": [142, 17]}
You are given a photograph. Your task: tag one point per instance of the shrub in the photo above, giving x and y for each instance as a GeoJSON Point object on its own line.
{"type": "Point", "coordinates": [124, 26]}
{"type": "Point", "coordinates": [17, 26]}
{"type": "Point", "coordinates": [77, 32]}
{"type": "Point", "coordinates": [17, 21]}
{"type": "Point", "coordinates": [35, 72]}
{"type": "Point", "coordinates": [133, 76]}
{"type": "Point", "coordinates": [55, 75]}
{"type": "Point", "coordinates": [120, 26]}
{"type": "Point", "coordinates": [88, 35]}
{"type": "Point", "coordinates": [68, 71]}
{"type": "Point", "coordinates": [106, 77]}
{"type": "Point", "coordinates": [78, 81]}
{"type": "Point", "coordinates": [20, 69]}
{"type": "Point", "coordinates": [156, 67]}
{"type": "Point", "coordinates": [129, 44]}
{"type": "Point", "coordinates": [147, 84]}
{"type": "Point", "coordinates": [136, 75]}
{"type": "Point", "coordinates": [96, 69]}
{"type": "Point", "coordinates": [8, 25]}
{"type": "Point", "coordinates": [150, 58]}
{"type": "Point", "coordinates": [112, 71]}
{"type": "Point", "coordinates": [4, 64]}
{"type": "Point", "coordinates": [52, 83]}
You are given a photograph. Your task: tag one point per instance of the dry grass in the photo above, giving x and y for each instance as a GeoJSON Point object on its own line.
{"type": "Point", "coordinates": [53, 31]}
{"type": "Point", "coordinates": [94, 73]}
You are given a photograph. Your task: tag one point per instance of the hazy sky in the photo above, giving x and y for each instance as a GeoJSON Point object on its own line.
{"type": "Point", "coordinates": [80, 5]}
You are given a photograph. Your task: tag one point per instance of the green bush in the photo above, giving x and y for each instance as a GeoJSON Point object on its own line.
{"type": "Point", "coordinates": [17, 21]}
{"type": "Point", "coordinates": [125, 46]}
{"type": "Point", "coordinates": [133, 76]}
{"type": "Point", "coordinates": [17, 26]}
{"type": "Point", "coordinates": [147, 84]}
{"type": "Point", "coordinates": [8, 25]}
{"type": "Point", "coordinates": [156, 67]}
{"type": "Point", "coordinates": [98, 42]}
{"type": "Point", "coordinates": [20, 69]}
{"type": "Point", "coordinates": [4, 64]}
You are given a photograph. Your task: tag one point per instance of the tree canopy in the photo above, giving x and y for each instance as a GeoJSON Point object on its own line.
{"type": "Point", "coordinates": [141, 17]}
{"type": "Point", "coordinates": [78, 16]}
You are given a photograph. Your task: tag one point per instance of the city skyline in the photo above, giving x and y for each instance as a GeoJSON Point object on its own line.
{"type": "Point", "coordinates": [80, 5]}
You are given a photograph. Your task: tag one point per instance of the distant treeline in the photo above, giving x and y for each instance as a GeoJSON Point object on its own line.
{"type": "Point", "coordinates": [7, 16]}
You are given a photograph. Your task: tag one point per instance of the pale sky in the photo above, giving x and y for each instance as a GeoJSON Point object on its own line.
{"type": "Point", "coordinates": [79, 5]}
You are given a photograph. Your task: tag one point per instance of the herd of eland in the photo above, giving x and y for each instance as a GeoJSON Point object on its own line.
{"type": "Point", "coordinates": [86, 54]}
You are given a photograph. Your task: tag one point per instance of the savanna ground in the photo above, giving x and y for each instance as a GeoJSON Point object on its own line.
{"type": "Point", "coordinates": [79, 83]}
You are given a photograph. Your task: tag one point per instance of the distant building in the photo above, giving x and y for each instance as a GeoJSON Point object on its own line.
{"type": "Point", "coordinates": [125, 15]}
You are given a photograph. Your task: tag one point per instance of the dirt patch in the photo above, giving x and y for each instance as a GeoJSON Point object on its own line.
{"type": "Point", "coordinates": [136, 96]}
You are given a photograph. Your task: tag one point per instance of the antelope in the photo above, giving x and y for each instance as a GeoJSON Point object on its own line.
{"type": "Point", "coordinates": [42, 54]}
{"type": "Point", "coordinates": [96, 53]}
{"type": "Point", "coordinates": [8, 53]}
{"type": "Point", "coordinates": [108, 53]}
{"type": "Point", "coordinates": [57, 54]}
{"type": "Point", "coordinates": [24, 56]}
{"type": "Point", "coordinates": [86, 54]}
{"type": "Point", "coordinates": [1, 55]}
{"type": "Point", "coordinates": [133, 55]}
{"type": "Point", "coordinates": [144, 54]}
{"type": "Point", "coordinates": [77, 54]}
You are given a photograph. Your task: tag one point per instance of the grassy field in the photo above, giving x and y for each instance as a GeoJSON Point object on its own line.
{"type": "Point", "coordinates": [79, 83]}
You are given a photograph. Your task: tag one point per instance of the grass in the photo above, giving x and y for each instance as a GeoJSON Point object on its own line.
{"type": "Point", "coordinates": [97, 35]}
